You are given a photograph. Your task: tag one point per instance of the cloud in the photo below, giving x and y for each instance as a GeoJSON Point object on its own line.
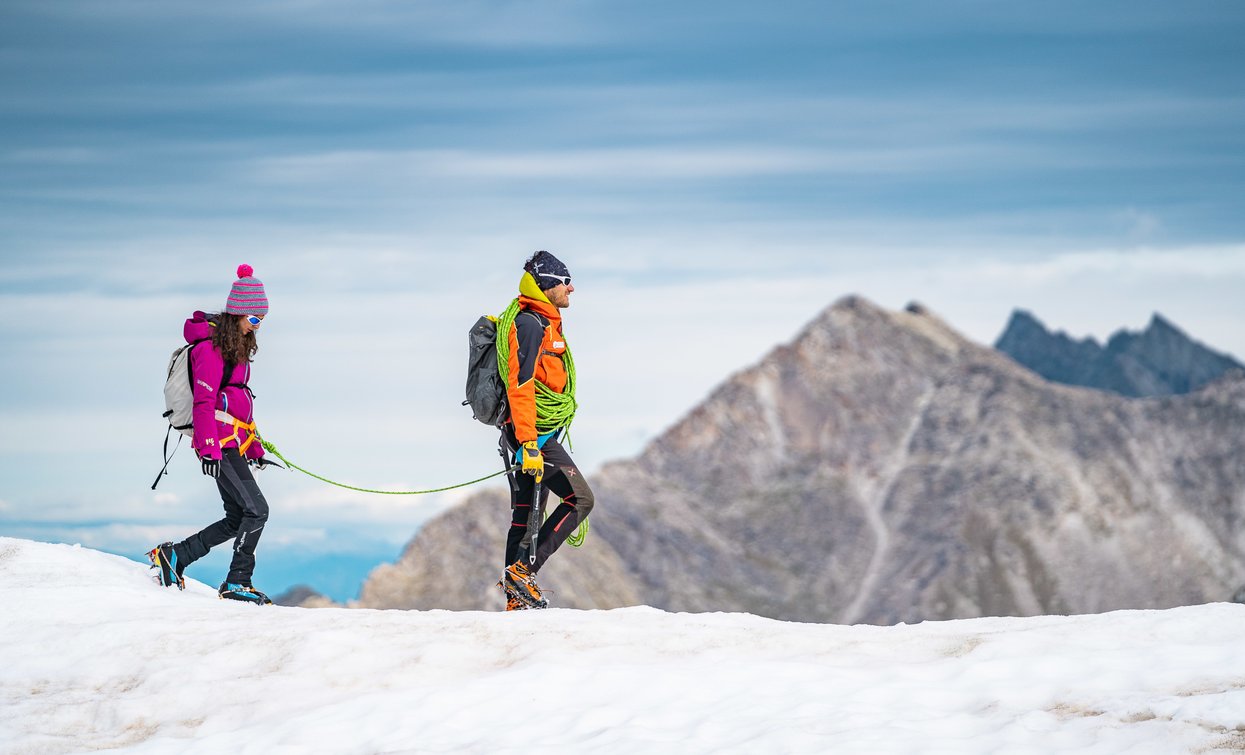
{"type": "Point", "coordinates": [135, 538]}
{"type": "Point", "coordinates": [1141, 225]}
{"type": "Point", "coordinates": [671, 162]}
{"type": "Point", "coordinates": [1206, 262]}
{"type": "Point", "coordinates": [471, 23]}
{"type": "Point", "coordinates": [324, 502]}
{"type": "Point", "coordinates": [54, 155]}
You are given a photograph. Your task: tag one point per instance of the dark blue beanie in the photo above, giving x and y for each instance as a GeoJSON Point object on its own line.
{"type": "Point", "coordinates": [542, 265]}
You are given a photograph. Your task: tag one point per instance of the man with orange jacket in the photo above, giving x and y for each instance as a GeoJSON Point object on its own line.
{"type": "Point", "coordinates": [537, 347]}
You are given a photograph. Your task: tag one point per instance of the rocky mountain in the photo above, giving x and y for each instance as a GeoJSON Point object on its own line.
{"type": "Point", "coordinates": [1159, 361]}
{"type": "Point", "coordinates": [883, 468]}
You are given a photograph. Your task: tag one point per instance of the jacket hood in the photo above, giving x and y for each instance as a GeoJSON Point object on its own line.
{"type": "Point", "coordinates": [529, 288]}
{"type": "Point", "coordinates": [531, 297]}
{"type": "Point", "coordinates": [197, 327]}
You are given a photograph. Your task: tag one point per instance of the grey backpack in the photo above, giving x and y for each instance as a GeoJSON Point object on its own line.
{"type": "Point", "coordinates": [179, 391]}
{"type": "Point", "coordinates": [179, 399]}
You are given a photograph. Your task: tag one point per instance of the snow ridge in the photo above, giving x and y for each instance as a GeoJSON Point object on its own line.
{"type": "Point", "coordinates": [93, 655]}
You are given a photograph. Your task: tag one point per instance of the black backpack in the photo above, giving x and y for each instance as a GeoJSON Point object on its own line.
{"type": "Point", "coordinates": [486, 393]}
{"type": "Point", "coordinates": [486, 390]}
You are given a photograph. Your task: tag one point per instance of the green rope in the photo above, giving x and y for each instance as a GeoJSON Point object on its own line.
{"type": "Point", "coordinates": [273, 450]}
{"type": "Point", "coordinates": [576, 538]}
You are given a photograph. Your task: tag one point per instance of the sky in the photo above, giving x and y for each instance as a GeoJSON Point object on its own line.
{"type": "Point", "coordinates": [713, 174]}
{"type": "Point", "coordinates": [145, 669]}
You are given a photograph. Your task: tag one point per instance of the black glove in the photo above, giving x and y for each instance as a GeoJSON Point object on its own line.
{"type": "Point", "coordinates": [211, 467]}
{"type": "Point", "coordinates": [262, 463]}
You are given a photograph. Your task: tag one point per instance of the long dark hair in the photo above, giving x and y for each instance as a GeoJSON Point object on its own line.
{"type": "Point", "coordinates": [228, 338]}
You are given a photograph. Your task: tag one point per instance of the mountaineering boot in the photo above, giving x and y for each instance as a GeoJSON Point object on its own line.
{"type": "Point", "coordinates": [512, 600]}
{"type": "Point", "coordinates": [522, 582]}
{"type": "Point", "coordinates": [244, 593]}
{"type": "Point", "coordinates": [164, 561]}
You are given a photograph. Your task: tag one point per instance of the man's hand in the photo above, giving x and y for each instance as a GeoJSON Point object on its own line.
{"type": "Point", "coordinates": [211, 467]}
{"type": "Point", "coordinates": [532, 459]}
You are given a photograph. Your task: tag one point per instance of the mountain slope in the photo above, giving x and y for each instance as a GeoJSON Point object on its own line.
{"type": "Point", "coordinates": [882, 468]}
{"type": "Point", "coordinates": [96, 656]}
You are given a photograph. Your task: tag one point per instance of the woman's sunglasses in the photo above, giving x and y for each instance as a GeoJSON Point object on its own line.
{"type": "Point", "coordinates": [253, 320]}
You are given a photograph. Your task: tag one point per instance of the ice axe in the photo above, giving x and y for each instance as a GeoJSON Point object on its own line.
{"type": "Point", "coordinates": [533, 520]}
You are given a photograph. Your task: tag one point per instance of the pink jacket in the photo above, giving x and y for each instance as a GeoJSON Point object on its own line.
{"type": "Point", "coordinates": [208, 367]}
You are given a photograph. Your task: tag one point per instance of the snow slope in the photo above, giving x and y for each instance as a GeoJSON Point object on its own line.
{"type": "Point", "coordinates": [93, 655]}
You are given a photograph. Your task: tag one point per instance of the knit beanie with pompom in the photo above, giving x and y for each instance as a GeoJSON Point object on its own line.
{"type": "Point", "coordinates": [247, 295]}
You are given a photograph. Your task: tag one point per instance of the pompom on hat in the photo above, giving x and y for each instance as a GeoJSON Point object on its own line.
{"type": "Point", "coordinates": [247, 296]}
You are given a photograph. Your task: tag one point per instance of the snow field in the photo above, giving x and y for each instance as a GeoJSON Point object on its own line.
{"type": "Point", "coordinates": [94, 655]}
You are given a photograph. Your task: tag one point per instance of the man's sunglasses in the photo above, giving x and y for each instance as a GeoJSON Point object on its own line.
{"type": "Point", "coordinates": [563, 279]}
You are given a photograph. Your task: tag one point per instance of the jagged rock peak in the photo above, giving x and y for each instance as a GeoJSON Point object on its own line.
{"type": "Point", "coordinates": [1158, 322]}
{"type": "Point", "coordinates": [1159, 333]}
{"type": "Point", "coordinates": [1161, 360]}
{"type": "Point", "coordinates": [1023, 324]}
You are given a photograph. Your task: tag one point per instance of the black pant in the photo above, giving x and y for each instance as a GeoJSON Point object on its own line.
{"type": "Point", "coordinates": [246, 511]}
{"type": "Point", "coordinates": [564, 479]}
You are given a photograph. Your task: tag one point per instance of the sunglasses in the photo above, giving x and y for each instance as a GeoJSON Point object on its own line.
{"type": "Point", "coordinates": [563, 279]}
{"type": "Point", "coordinates": [254, 321]}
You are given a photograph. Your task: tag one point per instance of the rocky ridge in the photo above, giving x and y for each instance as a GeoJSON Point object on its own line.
{"type": "Point", "coordinates": [1159, 361]}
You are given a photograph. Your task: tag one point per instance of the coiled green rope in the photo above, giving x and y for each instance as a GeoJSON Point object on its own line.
{"type": "Point", "coordinates": [554, 411]}
{"type": "Point", "coordinates": [576, 538]}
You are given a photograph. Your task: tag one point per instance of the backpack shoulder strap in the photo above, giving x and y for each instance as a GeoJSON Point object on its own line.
{"type": "Point", "coordinates": [544, 323]}
{"type": "Point", "coordinates": [190, 365]}
{"type": "Point", "coordinates": [224, 375]}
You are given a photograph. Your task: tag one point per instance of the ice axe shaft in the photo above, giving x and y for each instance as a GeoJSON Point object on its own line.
{"type": "Point", "coordinates": [533, 521]}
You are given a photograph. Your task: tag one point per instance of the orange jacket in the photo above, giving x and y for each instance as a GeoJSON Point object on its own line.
{"type": "Point", "coordinates": [536, 348]}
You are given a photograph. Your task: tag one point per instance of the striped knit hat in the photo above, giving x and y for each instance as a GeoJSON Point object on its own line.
{"type": "Point", "coordinates": [247, 295]}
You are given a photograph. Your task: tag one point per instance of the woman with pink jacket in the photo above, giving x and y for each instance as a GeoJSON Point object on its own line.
{"type": "Point", "coordinates": [225, 438]}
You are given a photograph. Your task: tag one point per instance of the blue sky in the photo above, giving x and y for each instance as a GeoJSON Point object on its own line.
{"type": "Point", "coordinates": [712, 173]}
